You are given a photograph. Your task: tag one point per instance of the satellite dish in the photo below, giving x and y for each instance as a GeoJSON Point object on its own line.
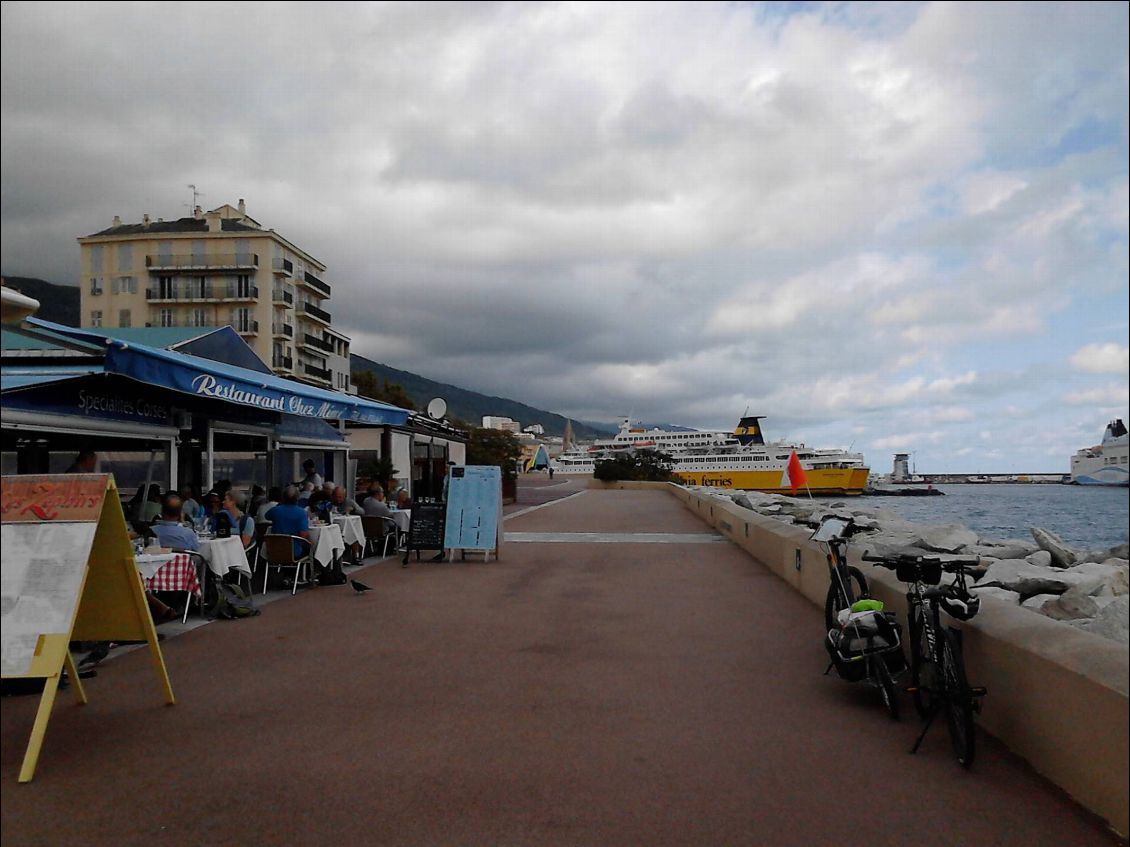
{"type": "Point", "coordinates": [437, 408]}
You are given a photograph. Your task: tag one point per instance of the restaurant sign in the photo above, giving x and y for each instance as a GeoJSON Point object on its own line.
{"type": "Point", "coordinates": [98, 397]}
{"type": "Point", "coordinates": [210, 386]}
{"type": "Point", "coordinates": [59, 497]}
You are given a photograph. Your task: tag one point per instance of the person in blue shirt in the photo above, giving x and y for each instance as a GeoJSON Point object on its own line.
{"type": "Point", "coordinates": [288, 518]}
{"type": "Point", "coordinates": [169, 530]}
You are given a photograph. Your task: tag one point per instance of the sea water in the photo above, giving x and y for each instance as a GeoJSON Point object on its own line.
{"type": "Point", "coordinates": [1089, 517]}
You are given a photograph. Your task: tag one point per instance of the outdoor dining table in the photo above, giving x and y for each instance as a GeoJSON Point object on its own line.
{"type": "Point", "coordinates": [326, 543]}
{"type": "Point", "coordinates": [402, 518]}
{"type": "Point", "coordinates": [352, 529]}
{"type": "Point", "coordinates": [222, 554]}
{"type": "Point", "coordinates": [168, 572]}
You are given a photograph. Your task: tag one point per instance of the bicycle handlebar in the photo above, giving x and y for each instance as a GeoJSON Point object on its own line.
{"type": "Point", "coordinates": [893, 561]}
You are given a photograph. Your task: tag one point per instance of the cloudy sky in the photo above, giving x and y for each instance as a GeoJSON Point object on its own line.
{"type": "Point", "coordinates": [902, 227]}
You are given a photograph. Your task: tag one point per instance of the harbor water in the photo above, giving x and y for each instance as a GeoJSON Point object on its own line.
{"type": "Point", "coordinates": [1087, 517]}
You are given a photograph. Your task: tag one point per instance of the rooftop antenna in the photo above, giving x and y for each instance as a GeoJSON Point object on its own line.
{"type": "Point", "coordinates": [196, 195]}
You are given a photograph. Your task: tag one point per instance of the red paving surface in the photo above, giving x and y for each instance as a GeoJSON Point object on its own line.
{"type": "Point", "coordinates": [569, 694]}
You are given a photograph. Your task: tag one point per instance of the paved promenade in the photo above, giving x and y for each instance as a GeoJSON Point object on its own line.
{"type": "Point", "coordinates": [649, 689]}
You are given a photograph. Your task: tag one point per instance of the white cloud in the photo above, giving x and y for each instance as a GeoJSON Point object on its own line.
{"type": "Point", "coordinates": [1109, 396]}
{"type": "Point", "coordinates": [1102, 358]}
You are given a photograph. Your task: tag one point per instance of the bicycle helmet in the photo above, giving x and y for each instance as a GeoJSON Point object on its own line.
{"type": "Point", "coordinates": [959, 604]}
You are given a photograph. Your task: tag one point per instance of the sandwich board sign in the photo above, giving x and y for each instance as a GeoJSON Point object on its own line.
{"type": "Point", "coordinates": [67, 574]}
{"type": "Point", "coordinates": [474, 509]}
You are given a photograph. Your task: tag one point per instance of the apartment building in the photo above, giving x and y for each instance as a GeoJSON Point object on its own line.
{"type": "Point", "coordinates": [211, 269]}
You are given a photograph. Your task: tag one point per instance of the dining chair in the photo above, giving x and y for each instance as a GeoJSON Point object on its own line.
{"type": "Point", "coordinates": [202, 575]}
{"type": "Point", "coordinates": [278, 552]}
{"type": "Point", "coordinates": [377, 532]}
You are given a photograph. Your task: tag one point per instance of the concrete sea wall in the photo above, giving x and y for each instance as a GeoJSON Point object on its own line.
{"type": "Point", "coordinates": [1058, 697]}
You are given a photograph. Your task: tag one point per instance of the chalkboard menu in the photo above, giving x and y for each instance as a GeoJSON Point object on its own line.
{"type": "Point", "coordinates": [425, 529]}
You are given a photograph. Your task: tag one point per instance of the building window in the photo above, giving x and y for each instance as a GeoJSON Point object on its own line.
{"type": "Point", "coordinates": [165, 288]}
{"type": "Point", "coordinates": [241, 319]}
{"type": "Point", "coordinates": [200, 317]}
{"type": "Point", "coordinates": [125, 285]}
{"type": "Point", "coordinates": [125, 258]}
{"type": "Point", "coordinates": [167, 318]}
{"type": "Point", "coordinates": [96, 317]}
{"type": "Point", "coordinates": [124, 318]}
{"type": "Point", "coordinates": [243, 286]}
{"type": "Point", "coordinates": [95, 285]}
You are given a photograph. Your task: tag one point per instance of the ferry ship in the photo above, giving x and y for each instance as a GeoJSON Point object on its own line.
{"type": "Point", "coordinates": [1105, 463]}
{"type": "Point", "coordinates": [740, 460]}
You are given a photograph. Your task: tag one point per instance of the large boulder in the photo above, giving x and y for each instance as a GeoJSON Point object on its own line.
{"type": "Point", "coordinates": [996, 593]}
{"type": "Point", "coordinates": [995, 550]}
{"type": "Point", "coordinates": [1113, 622]}
{"type": "Point", "coordinates": [1062, 555]}
{"type": "Point", "coordinates": [952, 538]}
{"type": "Point", "coordinates": [1031, 580]}
{"type": "Point", "coordinates": [1109, 578]}
{"type": "Point", "coordinates": [1119, 551]}
{"type": "Point", "coordinates": [1042, 558]}
{"type": "Point", "coordinates": [1073, 604]}
{"type": "Point", "coordinates": [1039, 601]}
{"type": "Point", "coordinates": [1002, 574]}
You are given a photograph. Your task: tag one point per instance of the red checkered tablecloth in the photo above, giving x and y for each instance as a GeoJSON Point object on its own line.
{"type": "Point", "coordinates": [178, 575]}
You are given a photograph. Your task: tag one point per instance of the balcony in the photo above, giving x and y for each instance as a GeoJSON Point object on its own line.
{"type": "Point", "coordinates": [207, 294]}
{"type": "Point", "coordinates": [282, 299]}
{"type": "Point", "coordinates": [316, 284]}
{"type": "Point", "coordinates": [282, 267]}
{"type": "Point", "coordinates": [316, 373]}
{"type": "Point", "coordinates": [283, 363]}
{"type": "Point", "coordinates": [246, 327]}
{"type": "Point", "coordinates": [308, 340]}
{"type": "Point", "coordinates": [194, 262]}
{"type": "Point", "coordinates": [310, 310]}
{"type": "Point", "coordinates": [282, 331]}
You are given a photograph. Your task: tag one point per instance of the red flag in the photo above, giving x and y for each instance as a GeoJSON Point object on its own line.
{"type": "Point", "coordinates": [797, 477]}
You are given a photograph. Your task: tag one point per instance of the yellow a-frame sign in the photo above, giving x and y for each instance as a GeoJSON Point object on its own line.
{"type": "Point", "coordinates": [68, 574]}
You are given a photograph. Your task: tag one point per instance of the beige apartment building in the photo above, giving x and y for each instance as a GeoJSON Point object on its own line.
{"type": "Point", "coordinates": [211, 269]}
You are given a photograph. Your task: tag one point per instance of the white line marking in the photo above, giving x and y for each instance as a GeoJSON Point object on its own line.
{"type": "Point", "coordinates": [526, 511]}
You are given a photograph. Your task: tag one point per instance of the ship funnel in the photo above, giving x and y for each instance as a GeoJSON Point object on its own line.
{"type": "Point", "coordinates": [1114, 429]}
{"type": "Point", "coordinates": [748, 430]}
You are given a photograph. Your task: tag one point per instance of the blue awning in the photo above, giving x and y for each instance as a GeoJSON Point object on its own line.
{"type": "Point", "coordinates": [13, 379]}
{"type": "Point", "coordinates": [250, 389]}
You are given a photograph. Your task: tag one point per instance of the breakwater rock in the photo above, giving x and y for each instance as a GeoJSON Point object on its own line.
{"type": "Point", "coordinates": [1087, 589]}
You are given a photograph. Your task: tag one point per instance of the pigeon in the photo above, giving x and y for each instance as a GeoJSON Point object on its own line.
{"type": "Point", "coordinates": [100, 652]}
{"type": "Point", "coordinates": [359, 587]}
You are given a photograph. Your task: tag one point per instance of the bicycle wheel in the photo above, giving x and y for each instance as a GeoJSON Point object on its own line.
{"type": "Point", "coordinates": [837, 602]}
{"type": "Point", "coordinates": [923, 668]}
{"type": "Point", "coordinates": [959, 700]}
{"type": "Point", "coordinates": [881, 676]}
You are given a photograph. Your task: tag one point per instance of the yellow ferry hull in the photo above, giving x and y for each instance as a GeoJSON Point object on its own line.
{"type": "Point", "coordinates": [827, 481]}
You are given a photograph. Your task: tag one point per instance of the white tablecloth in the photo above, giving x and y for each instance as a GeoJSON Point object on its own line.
{"type": "Point", "coordinates": [327, 543]}
{"type": "Point", "coordinates": [148, 565]}
{"type": "Point", "coordinates": [352, 530]}
{"type": "Point", "coordinates": [224, 553]}
{"type": "Point", "coordinates": [402, 517]}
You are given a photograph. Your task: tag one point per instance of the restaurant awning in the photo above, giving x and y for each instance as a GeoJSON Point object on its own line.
{"type": "Point", "coordinates": [13, 379]}
{"type": "Point", "coordinates": [250, 389]}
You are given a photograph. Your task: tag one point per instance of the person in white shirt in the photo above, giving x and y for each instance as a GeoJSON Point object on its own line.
{"type": "Point", "coordinates": [273, 496]}
{"type": "Point", "coordinates": [312, 478]}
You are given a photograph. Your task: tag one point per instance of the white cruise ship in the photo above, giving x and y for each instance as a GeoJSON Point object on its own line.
{"type": "Point", "coordinates": [740, 460]}
{"type": "Point", "coordinates": [1105, 463]}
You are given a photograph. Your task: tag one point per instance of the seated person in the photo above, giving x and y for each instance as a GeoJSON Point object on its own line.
{"type": "Point", "coordinates": [240, 524]}
{"type": "Point", "coordinates": [375, 504]}
{"type": "Point", "coordinates": [273, 497]}
{"type": "Point", "coordinates": [288, 518]}
{"type": "Point", "coordinates": [342, 505]}
{"type": "Point", "coordinates": [403, 501]}
{"type": "Point", "coordinates": [319, 506]}
{"type": "Point", "coordinates": [256, 498]}
{"type": "Point", "coordinates": [191, 507]}
{"type": "Point", "coordinates": [170, 531]}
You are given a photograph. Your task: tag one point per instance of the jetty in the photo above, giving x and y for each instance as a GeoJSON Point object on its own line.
{"type": "Point", "coordinates": [626, 673]}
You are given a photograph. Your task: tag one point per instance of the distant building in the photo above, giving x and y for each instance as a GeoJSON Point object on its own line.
{"type": "Point", "coordinates": [213, 269]}
{"type": "Point", "coordinates": [503, 423]}
{"type": "Point", "coordinates": [535, 429]}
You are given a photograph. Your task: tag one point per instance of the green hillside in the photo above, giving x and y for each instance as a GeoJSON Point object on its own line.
{"type": "Point", "coordinates": [470, 406]}
{"type": "Point", "coordinates": [58, 303]}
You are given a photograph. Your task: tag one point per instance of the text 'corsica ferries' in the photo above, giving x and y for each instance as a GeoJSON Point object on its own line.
{"type": "Point", "coordinates": [739, 460]}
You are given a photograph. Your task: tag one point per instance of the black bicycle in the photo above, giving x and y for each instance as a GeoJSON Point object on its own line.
{"type": "Point", "coordinates": [846, 584]}
{"type": "Point", "coordinates": [937, 669]}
